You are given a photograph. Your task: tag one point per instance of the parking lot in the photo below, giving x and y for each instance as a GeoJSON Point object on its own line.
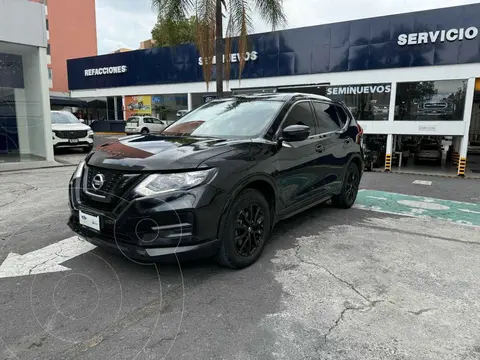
{"type": "Point", "coordinates": [379, 281]}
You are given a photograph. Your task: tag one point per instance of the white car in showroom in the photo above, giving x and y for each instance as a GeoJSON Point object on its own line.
{"type": "Point", "coordinates": [145, 125]}
{"type": "Point", "coordinates": [69, 132]}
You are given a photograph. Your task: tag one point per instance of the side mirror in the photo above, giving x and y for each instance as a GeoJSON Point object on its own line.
{"type": "Point", "coordinates": [296, 133]}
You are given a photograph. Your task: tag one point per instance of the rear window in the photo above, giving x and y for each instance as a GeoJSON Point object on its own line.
{"type": "Point", "coordinates": [132, 120]}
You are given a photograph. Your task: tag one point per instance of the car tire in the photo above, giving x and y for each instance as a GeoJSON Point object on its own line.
{"type": "Point", "coordinates": [242, 227]}
{"type": "Point", "coordinates": [350, 186]}
{"type": "Point", "coordinates": [145, 131]}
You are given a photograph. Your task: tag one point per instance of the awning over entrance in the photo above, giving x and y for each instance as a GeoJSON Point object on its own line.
{"type": "Point", "coordinates": [67, 101]}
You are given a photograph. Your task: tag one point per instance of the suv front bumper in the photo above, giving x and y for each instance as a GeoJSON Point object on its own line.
{"type": "Point", "coordinates": [168, 227]}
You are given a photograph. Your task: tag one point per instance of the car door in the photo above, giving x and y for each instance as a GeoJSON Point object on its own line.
{"type": "Point", "coordinates": [334, 145]}
{"type": "Point", "coordinates": [148, 123]}
{"type": "Point", "coordinates": [297, 177]}
{"type": "Point", "coordinates": [158, 125]}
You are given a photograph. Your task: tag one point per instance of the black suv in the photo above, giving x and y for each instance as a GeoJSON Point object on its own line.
{"type": "Point", "coordinates": [216, 181]}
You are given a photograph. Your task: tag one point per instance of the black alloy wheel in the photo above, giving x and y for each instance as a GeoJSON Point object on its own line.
{"type": "Point", "coordinates": [350, 187]}
{"type": "Point", "coordinates": [244, 230]}
{"type": "Point", "coordinates": [352, 183]}
{"type": "Point", "coordinates": [249, 230]}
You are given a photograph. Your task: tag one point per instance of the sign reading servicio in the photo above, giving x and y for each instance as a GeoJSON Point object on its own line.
{"type": "Point", "coordinates": [432, 37]}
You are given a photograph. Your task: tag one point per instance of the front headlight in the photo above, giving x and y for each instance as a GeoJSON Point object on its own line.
{"type": "Point", "coordinates": [79, 170]}
{"type": "Point", "coordinates": [163, 183]}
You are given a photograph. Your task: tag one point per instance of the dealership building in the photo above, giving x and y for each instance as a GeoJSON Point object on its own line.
{"type": "Point", "coordinates": [408, 78]}
{"type": "Point", "coordinates": [25, 125]}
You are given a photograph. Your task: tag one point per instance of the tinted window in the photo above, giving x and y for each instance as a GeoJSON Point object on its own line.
{"type": "Point", "coordinates": [430, 100]}
{"type": "Point", "coordinates": [147, 120]}
{"type": "Point", "coordinates": [301, 114]}
{"type": "Point", "coordinates": [228, 118]}
{"type": "Point", "coordinates": [156, 121]}
{"type": "Point", "coordinates": [342, 116]}
{"type": "Point", "coordinates": [327, 117]}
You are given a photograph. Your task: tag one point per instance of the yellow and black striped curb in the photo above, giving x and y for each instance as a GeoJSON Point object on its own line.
{"type": "Point", "coordinates": [450, 176]}
{"type": "Point", "coordinates": [455, 158]}
{"type": "Point", "coordinates": [388, 162]}
{"type": "Point", "coordinates": [461, 166]}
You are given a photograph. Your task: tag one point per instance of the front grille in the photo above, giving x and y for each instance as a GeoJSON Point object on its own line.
{"type": "Point", "coordinates": [73, 134]}
{"type": "Point", "coordinates": [115, 186]}
{"type": "Point", "coordinates": [112, 181]}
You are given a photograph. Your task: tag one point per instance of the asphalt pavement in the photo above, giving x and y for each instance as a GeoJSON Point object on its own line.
{"type": "Point", "coordinates": [363, 283]}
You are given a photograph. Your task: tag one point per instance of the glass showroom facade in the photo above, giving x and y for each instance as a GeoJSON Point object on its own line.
{"type": "Point", "coordinates": [25, 129]}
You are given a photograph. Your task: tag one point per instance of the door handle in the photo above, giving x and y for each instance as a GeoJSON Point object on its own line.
{"type": "Point", "coordinates": [319, 148]}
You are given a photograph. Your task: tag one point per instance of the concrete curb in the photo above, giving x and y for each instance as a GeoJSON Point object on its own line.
{"type": "Point", "coordinates": [452, 176]}
{"type": "Point", "coordinates": [41, 167]}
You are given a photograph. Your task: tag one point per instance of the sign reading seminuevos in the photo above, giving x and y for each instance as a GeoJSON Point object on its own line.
{"type": "Point", "coordinates": [234, 57]}
{"type": "Point", "coordinates": [106, 70]}
{"type": "Point", "coordinates": [353, 90]}
{"type": "Point", "coordinates": [432, 37]}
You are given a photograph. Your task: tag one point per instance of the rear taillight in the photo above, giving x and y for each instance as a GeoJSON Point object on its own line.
{"type": "Point", "coordinates": [360, 134]}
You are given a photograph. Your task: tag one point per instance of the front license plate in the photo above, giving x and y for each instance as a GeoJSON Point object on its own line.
{"type": "Point", "coordinates": [73, 141]}
{"type": "Point", "coordinates": [91, 221]}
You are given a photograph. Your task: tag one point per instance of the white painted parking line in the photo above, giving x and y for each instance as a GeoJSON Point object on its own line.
{"type": "Point", "coordinates": [469, 211]}
{"type": "Point", "coordinates": [422, 182]}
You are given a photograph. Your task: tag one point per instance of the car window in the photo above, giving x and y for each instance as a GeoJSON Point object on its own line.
{"type": "Point", "coordinates": [133, 121]}
{"type": "Point", "coordinates": [342, 116]}
{"type": "Point", "coordinates": [157, 121]}
{"type": "Point", "coordinates": [64, 117]}
{"type": "Point", "coordinates": [228, 118]}
{"type": "Point", "coordinates": [301, 114]}
{"type": "Point", "coordinates": [147, 120]}
{"type": "Point", "coordinates": [327, 117]}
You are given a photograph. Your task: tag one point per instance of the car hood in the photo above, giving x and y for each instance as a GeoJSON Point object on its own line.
{"type": "Point", "coordinates": [70, 127]}
{"type": "Point", "coordinates": [157, 153]}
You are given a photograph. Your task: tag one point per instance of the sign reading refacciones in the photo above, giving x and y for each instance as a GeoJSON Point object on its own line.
{"type": "Point", "coordinates": [106, 70]}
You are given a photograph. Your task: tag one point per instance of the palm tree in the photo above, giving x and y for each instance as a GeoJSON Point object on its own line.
{"type": "Point", "coordinates": [209, 28]}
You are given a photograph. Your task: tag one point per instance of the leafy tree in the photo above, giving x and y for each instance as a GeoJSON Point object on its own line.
{"type": "Point", "coordinates": [168, 32]}
{"type": "Point", "coordinates": [209, 17]}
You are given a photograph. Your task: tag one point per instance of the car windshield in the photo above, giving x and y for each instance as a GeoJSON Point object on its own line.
{"type": "Point", "coordinates": [64, 118]}
{"type": "Point", "coordinates": [229, 118]}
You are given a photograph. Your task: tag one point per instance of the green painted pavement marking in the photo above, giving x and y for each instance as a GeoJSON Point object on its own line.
{"type": "Point", "coordinates": [418, 206]}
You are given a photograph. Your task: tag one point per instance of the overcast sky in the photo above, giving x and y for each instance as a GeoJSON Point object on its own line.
{"type": "Point", "coordinates": [124, 23]}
